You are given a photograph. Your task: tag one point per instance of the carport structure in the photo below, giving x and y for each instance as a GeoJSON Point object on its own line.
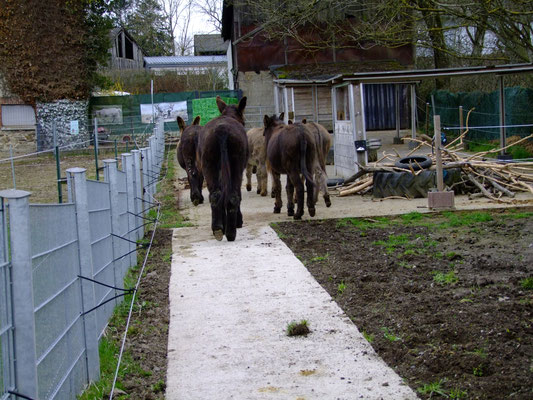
{"type": "Point", "coordinates": [348, 104]}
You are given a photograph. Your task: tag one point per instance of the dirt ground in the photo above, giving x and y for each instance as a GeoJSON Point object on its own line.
{"type": "Point", "coordinates": [441, 297]}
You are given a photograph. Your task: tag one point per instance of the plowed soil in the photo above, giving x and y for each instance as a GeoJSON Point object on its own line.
{"type": "Point", "coordinates": [445, 299]}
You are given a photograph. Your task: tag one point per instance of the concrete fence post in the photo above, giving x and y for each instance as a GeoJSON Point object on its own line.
{"type": "Point", "coordinates": [110, 176]}
{"type": "Point", "coordinates": [22, 292]}
{"type": "Point", "coordinates": [127, 167]}
{"type": "Point", "coordinates": [145, 180]}
{"type": "Point", "coordinates": [149, 171]}
{"type": "Point", "coordinates": [77, 184]}
{"type": "Point", "coordinates": [137, 192]}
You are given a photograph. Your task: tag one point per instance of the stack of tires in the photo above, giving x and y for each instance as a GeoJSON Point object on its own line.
{"type": "Point", "coordinates": [406, 184]}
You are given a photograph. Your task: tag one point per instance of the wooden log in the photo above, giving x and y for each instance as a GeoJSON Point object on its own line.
{"type": "Point", "coordinates": [356, 188]}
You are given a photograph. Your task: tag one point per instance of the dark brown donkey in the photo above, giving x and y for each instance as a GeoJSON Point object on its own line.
{"type": "Point", "coordinates": [291, 150]}
{"type": "Point", "coordinates": [223, 154]}
{"type": "Point", "coordinates": [187, 157]}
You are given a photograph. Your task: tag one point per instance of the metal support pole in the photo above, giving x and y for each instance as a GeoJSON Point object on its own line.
{"type": "Point", "coordinates": [461, 127]}
{"type": "Point", "coordinates": [119, 246]}
{"type": "Point", "coordinates": [397, 112]}
{"type": "Point", "coordinates": [412, 144]}
{"type": "Point", "coordinates": [137, 190]}
{"type": "Point", "coordinates": [502, 114]}
{"type": "Point", "coordinates": [438, 161]}
{"type": "Point", "coordinates": [58, 164]}
{"type": "Point", "coordinates": [276, 100]}
{"type": "Point", "coordinates": [127, 167]}
{"type": "Point", "coordinates": [78, 195]}
{"type": "Point", "coordinates": [285, 106]}
{"type": "Point", "coordinates": [22, 292]}
{"type": "Point", "coordinates": [96, 148]}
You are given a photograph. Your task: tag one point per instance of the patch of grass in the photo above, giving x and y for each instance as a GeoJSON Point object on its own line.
{"type": "Point", "coordinates": [411, 217]}
{"type": "Point", "coordinates": [514, 214]}
{"type": "Point", "coordinates": [159, 386]}
{"type": "Point", "coordinates": [320, 258]}
{"type": "Point", "coordinates": [454, 219]}
{"type": "Point", "coordinates": [275, 226]}
{"type": "Point", "coordinates": [393, 242]}
{"type": "Point", "coordinates": [169, 216]}
{"type": "Point", "coordinates": [527, 283]}
{"type": "Point", "coordinates": [368, 336]}
{"type": "Point", "coordinates": [341, 287]}
{"type": "Point", "coordinates": [448, 278]}
{"type": "Point", "coordinates": [298, 328]}
{"type": "Point", "coordinates": [457, 393]}
{"type": "Point", "coordinates": [433, 388]}
{"type": "Point", "coordinates": [364, 223]}
{"type": "Point", "coordinates": [387, 334]}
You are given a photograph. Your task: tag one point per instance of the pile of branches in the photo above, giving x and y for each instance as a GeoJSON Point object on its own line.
{"type": "Point", "coordinates": [480, 175]}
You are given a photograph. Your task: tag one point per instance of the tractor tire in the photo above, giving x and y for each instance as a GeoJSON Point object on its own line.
{"type": "Point", "coordinates": [405, 184]}
{"type": "Point", "coordinates": [416, 162]}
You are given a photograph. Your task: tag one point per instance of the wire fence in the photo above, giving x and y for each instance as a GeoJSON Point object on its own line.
{"type": "Point", "coordinates": [61, 272]}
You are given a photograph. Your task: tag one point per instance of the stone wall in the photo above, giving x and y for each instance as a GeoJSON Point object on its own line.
{"type": "Point", "coordinates": [21, 142]}
{"type": "Point", "coordinates": [62, 112]}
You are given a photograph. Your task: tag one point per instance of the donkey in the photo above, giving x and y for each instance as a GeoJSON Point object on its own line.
{"type": "Point", "coordinates": [323, 144]}
{"type": "Point", "coordinates": [291, 150]}
{"type": "Point", "coordinates": [187, 157]}
{"type": "Point", "coordinates": [257, 161]}
{"type": "Point", "coordinates": [223, 154]}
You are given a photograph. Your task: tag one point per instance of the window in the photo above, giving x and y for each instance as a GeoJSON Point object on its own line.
{"type": "Point", "coordinates": [18, 116]}
{"type": "Point", "coordinates": [129, 48]}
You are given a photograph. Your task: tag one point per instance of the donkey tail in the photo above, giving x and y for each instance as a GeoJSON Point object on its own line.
{"type": "Point", "coordinates": [225, 167]}
{"type": "Point", "coordinates": [303, 159]}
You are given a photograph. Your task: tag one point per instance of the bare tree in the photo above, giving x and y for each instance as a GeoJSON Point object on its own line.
{"type": "Point", "coordinates": [212, 10]}
{"type": "Point", "coordinates": [184, 39]}
{"type": "Point", "coordinates": [177, 14]}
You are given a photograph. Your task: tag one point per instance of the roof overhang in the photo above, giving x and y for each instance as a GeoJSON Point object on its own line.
{"type": "Point", "coordinates": [408, 76]}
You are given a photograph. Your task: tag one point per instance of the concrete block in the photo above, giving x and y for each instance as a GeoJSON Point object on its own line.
{"type": "Point", "coordinates": [441, 200]}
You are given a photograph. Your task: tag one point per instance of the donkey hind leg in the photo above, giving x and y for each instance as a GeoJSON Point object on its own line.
{"type": "Point", "coordinates": [217, 213]}
{"type": "Point", "coordinates": [276, 192]}
{"type": "Point", "coordinates": [321, 184]}
{"type": "Point", "coordinates": [289, 188]}
{"type": "Point", "coordinates": [262, 180]}
{"type": "Point", "coordinates": [296, 181]}
{"type": "Point", "coordinates": [311, 198]}
{"type": "Point", "coordinates": [233, 206]}
{"type": "Point", "coordinates": [249, 170]}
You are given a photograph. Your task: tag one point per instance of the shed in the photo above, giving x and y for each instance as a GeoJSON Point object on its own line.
{"type": "Point", "coordinates": [349, 108]}
{"type": "Point", "coordinates": [125, 53]}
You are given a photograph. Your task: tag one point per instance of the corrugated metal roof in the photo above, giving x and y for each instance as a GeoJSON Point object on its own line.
{"type": "Point", "coordinates": [184, 61]}
{"type": "Point", "coordinates": [210, 44]}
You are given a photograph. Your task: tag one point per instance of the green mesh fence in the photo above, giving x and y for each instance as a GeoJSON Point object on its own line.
{"type": "Point", "coordinates": [207, 108]}
{"type": "Point", "coordinates": [132, 115]}
{"type": "Point", "coordinates": [484, 121]}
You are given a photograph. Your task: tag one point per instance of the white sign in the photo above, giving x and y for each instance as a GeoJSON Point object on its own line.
{"type": "Point", "coordinates": [74, 127]}
{"type": "Point", "coordinates": [168, 111]}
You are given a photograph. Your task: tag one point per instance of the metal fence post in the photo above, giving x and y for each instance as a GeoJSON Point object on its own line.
{"type": "Point", "coordinates": [22, 292]}
{"type": "Point", "coordinates": [137, 193]}
{"type": "Point", "coordinates": [78, 195]}
{"type": "Point", "coordinates": [145, 180]}
{"type": "Point", "coordinates": [127, 167]}
{"type": "Point", "coordinates": [110, 176]}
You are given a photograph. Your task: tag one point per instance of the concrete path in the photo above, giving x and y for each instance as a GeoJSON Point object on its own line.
{"type": "Point", "coordinates": [231, 302]}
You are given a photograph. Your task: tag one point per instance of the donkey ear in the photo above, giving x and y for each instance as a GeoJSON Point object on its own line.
{"type": "Point", "coordinates": [267, 121]}
{"type": "Point", "coordinates": [196, 120]}
{"type": "Point", "coordinates": [181, 124]}
{"type": "Point", "coordinates": [242, 104]}
{"type": "Point", "coordinates": [282, 116]}
{"type": "Point", "coordinates": [304, 121]}
{"type": "Point", "coordinates": [221, 105]}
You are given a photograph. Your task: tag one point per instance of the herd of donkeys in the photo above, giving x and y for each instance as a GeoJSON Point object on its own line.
{"type": "Point", "coordinates": [221, 150]}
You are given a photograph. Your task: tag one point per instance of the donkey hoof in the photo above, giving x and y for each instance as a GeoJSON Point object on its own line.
{"type": "Point", "coordinates": [277, 210]}
{"type": "Point", "coordinates": [195, 202]}
{"type": "Point", "coordinates": [218, 234]}
{"type": "Point", "coordinates": [290, 213]}
{"type": "Point", "coordinates": [312, 212]}
{"type": "Point", "coordinates": [297, 217]}
{"type": "Point", "coordinates": [249, 188]}
{"type": "Point", "coordinates": [328, 202]}
{"type": "Point", "coordinates": [263, 194]}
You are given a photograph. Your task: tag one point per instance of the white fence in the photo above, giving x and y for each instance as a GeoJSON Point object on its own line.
{"type": "Point", "coordinates": [62, 268]}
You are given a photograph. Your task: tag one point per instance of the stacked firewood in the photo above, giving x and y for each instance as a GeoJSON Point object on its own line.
{"type": "Point", "coordinates": [480, 175]}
